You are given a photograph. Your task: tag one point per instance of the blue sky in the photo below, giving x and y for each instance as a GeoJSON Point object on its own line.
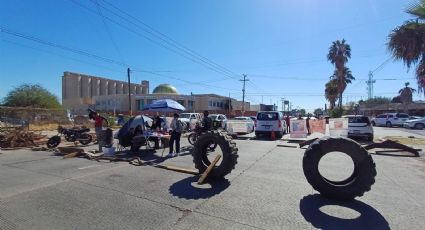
{"type": "Point", "coordinates": [280, 45]}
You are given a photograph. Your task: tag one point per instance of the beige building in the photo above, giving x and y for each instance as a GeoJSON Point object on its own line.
{"type": "Point", "coordinates": [80, 92]}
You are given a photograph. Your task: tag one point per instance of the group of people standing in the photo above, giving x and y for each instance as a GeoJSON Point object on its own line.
{"type": "Point", "coordinates": [177, 129]}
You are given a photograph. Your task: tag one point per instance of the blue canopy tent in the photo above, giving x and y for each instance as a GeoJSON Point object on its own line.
{"type": "Point", "coordinates": [165, 105]}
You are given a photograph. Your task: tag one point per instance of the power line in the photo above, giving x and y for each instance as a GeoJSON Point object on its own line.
{"type": "Point", "coordinates": [59, 46]}
{"type": "Point", "coordinates": [171, 41]}
{"type": "Point", "coordinates": [59, 55]}
{"type": "Point", "coordinates": [177, 49]}
{"type": "Point", "coordinates": [371, 81]}
{"type": "Point", "coordinates": [99, 10]}
{"type": "Point", "coordinates": [97, 57]}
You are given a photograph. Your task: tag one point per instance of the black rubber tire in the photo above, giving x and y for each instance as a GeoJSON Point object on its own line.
{"type": "Point", "coordinates": [85, 139]}
{"type": "Point", "coordinates": [419, 126]}
{"type": "Point", "coordinates": [228, 148]}
{"type": "Point", "coordinates": [373, 123]}
{"type": "Point", "coordinates": [370, 137]}
{"type": "Point", "coordinates": [388, 124]}
{"type": "Point", "coordinates": [70, 138]}
{"type": "Point", "coordinates": [53, 142]}
{"type": "Point", "coordinates": [361, 180]}
{"type": "Point", "coordinates": [191, 138]}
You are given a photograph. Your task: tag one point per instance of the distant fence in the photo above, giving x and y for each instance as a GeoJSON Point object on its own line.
{"type": "Point", "coordinates": [21, 116]}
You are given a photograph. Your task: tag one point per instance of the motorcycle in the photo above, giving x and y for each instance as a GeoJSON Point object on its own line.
{"type": "Point", "coordinates": [196, 133]}
{"type": "Point", "coordinates": [70, 135]}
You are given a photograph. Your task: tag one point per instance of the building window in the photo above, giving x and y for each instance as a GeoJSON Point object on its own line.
{"type": "Point", "coordinates": [190, 104]}
{"type": "Point", "coordinates": [209, 103]}
{"type": "Point", "coordinates": [140, 104]}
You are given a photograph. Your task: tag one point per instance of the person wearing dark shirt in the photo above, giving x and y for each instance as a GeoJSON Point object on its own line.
{"type": "Point", "coordinates": [288, 123]}
{"type": "Point", "coordinates": [307, 123]}
{"type": "Point", "coordinates": [206, 122]}
{"type": "Point", "coordinates": [156, 125]}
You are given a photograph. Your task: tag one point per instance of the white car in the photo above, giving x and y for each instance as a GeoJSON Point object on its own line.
{"type": "Point", "coordinates": [218, 120]}
{"type": "Point", "coordinates": [268, 122]}
{"type": "Point", "coordinates": [359, 126]}
{"type": "Point", "coordinates": [390, 119]}
{"type": "Point", "coordinates": [190, 119]}
{"type": "Point", "coordinates": [415, 123]}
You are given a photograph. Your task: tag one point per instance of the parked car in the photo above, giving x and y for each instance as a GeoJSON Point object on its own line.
{"type": "Point", "coordinates": [269, 121]}
{"type": "Point", "coordinates": [240, 125]}
{"type": "Point", "coordinates": [415, 123]}
{"type": "Point", "coordinates": [254, 118]}
{"type": "Point", "coordinates": [218, 120]}
{"type": "Point", "coordinates": [390, 119]}
{"type": "Point", "coordinates": [359, 126]}
{"type": "Point", "coordinates": [190, 119]}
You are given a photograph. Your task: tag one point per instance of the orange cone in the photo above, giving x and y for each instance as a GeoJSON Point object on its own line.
{"type": "Point", "coordinates": [273, 136]}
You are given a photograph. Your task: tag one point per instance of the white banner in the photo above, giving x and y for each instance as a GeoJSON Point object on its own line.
{"type": "Point", "coordinates": [338, 127]}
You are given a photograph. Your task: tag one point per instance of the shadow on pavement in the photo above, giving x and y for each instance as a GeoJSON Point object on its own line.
{"type": "Point", "coordinates": [189, 189]}
{"type": "Point", "coordinates": [369, 217]}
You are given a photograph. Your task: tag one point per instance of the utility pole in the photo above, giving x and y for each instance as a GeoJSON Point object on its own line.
{"type": "Point", "coordinates": [243, 93]}
{"type": "Point", "coordinates": [129, 93]}
{"type": "Point", "coordinates": [370, 85]}
{"type": "Point", "coordinates": [229, 105]}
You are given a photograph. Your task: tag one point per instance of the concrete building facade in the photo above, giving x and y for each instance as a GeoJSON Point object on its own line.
{"type": "Point", "coordinates": [80, 92]}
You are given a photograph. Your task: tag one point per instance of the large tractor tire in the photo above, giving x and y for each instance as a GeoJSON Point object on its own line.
{"type": "Point", "coordinates": [360, 181]}
{"type": "Point", "coordinates": [228, 149]}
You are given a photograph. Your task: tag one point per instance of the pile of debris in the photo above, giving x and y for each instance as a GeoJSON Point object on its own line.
{"type": "Point", "coordinates": [18, 138]}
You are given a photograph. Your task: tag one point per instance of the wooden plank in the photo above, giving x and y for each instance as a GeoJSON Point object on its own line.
{"type": "Point", "coordinates": [287, 146]}
{"type": "Point", "coordinates": [66, 150]}
{"type": "Point", "coordinates": [210, 167]}
{"type": "Point", "coordinates": [307, 142]}
{"type": "Point", "coordinates": [71, 155]}
{"type": "Point", "coordinates": [389, 144]}
{"type": "Point", "coordinates": [178, 169]}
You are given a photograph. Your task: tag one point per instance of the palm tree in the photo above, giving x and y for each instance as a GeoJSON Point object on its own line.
{"type": "Point", "coordinates": [406, 93]}
{"type": "Point", "coordinates": [339, 53]}
{"type": "Point", "coordinates": [407, 42]}
{"type": "Point", "coordinates": [331, 92]}
{"type": "Point", "coordinates": [347, 78]}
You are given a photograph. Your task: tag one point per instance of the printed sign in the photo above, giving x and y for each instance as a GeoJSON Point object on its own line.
{"type": "Point", "coordinates": [338, 127]}
{"type": "Point", "coordinates": [298, 129]}
{"type": "Point", "coordinates": [318, 126]}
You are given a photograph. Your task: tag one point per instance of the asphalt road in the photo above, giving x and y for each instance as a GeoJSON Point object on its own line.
{"type": "Point", "coordinates": [267, 190]}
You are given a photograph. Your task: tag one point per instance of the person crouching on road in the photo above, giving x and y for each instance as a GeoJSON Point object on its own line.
{"type": "Point", "coordinates": [176, 132]}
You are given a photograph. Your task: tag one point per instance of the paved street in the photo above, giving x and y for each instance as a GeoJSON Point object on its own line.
{"type": "Point", "coordinates": [267, 190]}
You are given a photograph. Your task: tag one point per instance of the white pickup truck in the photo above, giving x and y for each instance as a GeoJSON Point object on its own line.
{"type": "Point", "coordinates": [239, 126]}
